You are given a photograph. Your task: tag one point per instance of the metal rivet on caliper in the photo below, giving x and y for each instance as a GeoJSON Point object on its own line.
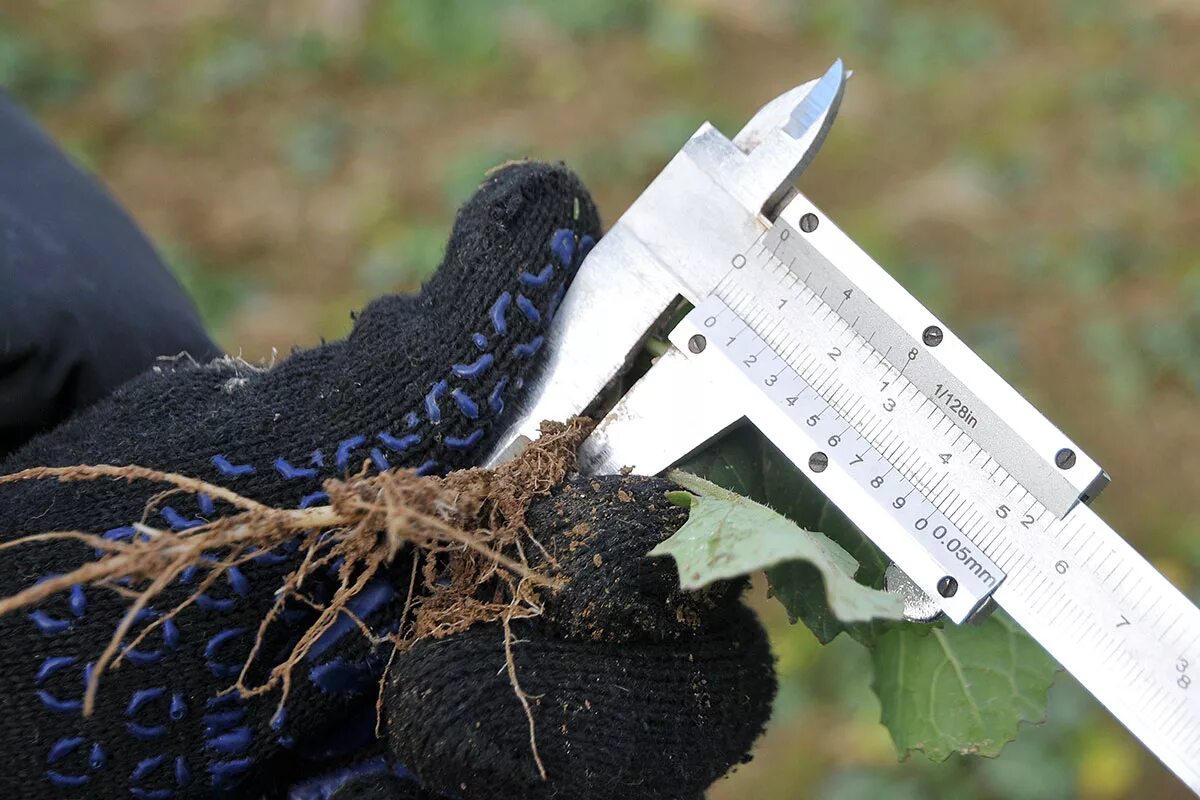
{"type": "Point", "coordinates": [1065, 458]}
{"type": "Point", "coordinates": [932, 336]}
{"type": "Point", "coordinates": [818, 461]}
{"type": "Point", "coordinates": [697, 343]}
{"type": "Point", "coordinates": [808, 223]}
{"type": "Point", "coordinates": [947, 587]}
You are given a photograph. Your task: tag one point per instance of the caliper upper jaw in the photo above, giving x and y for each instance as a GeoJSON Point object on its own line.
{"type": "Point", "coordinates": [716, 196]}
{"type": "Point", "coordinates": [785, 135]}
{"type": "Point", "coordinates": [717, 190]}
{"type": "Point", "coordinates": [707, 201]}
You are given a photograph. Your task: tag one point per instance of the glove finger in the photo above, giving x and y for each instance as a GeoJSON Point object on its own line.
{"type": "Point", "coordinates": [423, 380]}
{"type": "Point", "coordinates": [598, 531]}
{"type": "Point", "coordinates": [630, 721]}
{"type": "Point", "coordinates": [480, 322]}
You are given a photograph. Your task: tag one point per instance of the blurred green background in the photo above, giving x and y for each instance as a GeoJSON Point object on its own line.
{"type": "Point", "coordinates": [1030, 169]}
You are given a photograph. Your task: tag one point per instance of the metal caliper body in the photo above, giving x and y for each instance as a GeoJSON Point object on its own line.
{"type": "Point", "coordinates": [969, 489]}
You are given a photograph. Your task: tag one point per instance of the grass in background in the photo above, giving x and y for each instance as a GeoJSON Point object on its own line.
{"type": "Point", "coordinates": [1029, 169]}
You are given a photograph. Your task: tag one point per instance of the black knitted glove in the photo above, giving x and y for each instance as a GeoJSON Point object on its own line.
{"type": "Point", "coordinates": [423, 382]}
{"type": "Point", "coordinates": [640, 691]}
{"type": "Point", "coordinates": [644, 692]}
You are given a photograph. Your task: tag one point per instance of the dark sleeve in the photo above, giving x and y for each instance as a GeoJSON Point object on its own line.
{"type": "Point", "coordinates": [85, 302]}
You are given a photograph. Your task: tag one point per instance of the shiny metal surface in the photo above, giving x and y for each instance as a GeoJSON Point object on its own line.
{"type": "Point", "coordinates": [706, 199]}
{"type": "Point", "coordinates": [797, 330]}
{"type": "Point", "coordinates": [1003, 424]}
{"type": "Point", "coordinates": [673, 410]}
{"type": "Point", "coordinates": [918, 606]}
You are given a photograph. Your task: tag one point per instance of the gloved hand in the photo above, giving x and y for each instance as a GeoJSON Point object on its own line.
{"type": "Point", "coordinates": [642, 691]}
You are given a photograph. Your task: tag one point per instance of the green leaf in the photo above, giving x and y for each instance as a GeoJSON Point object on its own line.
{"type": "Point", "coordinates": [960, 688]}
{"type": "Point", "coordinates": [796, 585]}
{"type": "Point", "coordinates": [734, 462]}
{"type": "Point", "coordinates": [727, 535]}
{"type": "Point", "coordinates": [744, 461]}
{"type": "Point", "coordinates": [957, 689]}
{"type": "Point", "coordinates": [681, 498]}
{"type": "Point", "coordinates": [809, 606]}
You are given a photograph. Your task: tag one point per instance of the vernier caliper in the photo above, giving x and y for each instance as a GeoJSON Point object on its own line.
{"type": "Point", "coordinates": [972, 493]}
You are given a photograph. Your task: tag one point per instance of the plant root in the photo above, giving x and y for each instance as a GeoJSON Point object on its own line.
{"type": "Point", "coordinates": [465, 532]}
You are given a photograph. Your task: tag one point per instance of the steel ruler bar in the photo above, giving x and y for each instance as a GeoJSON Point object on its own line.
{"type": "Point", "coordinates": [863, 419]}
